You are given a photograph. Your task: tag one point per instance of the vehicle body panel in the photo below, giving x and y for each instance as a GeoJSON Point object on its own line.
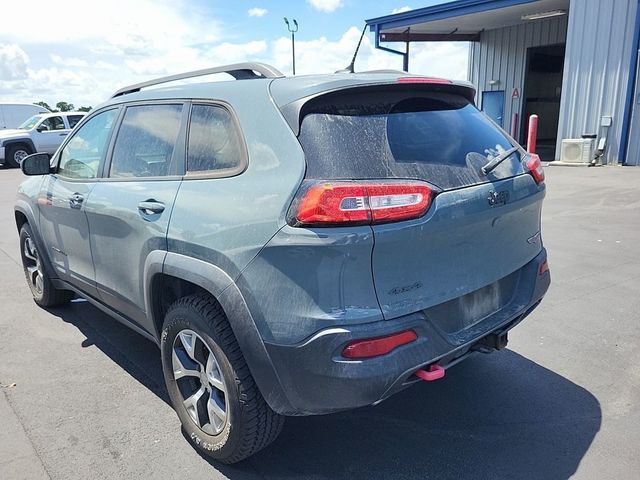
{"type": "Point", "coordinates": [49, 141]}
{"type": "Point", "coordinates": [305, 280]}
{"type": "Point", "coordinates": [462, 244]}
{"type": "Point", "coordinates": [122, 236]}
{"type": "Point", "coordinates": [227, 220]}
{"type": "Point", "coordinates": [13, 114]}
{"type": "Point", "coordinates": [65, 230]}
{"type": "Point", "coordinates": [318, 380]}
{"type": "Point", "coordinates": [289, 89]}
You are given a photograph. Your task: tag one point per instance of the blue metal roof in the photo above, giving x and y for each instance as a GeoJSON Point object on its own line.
{"type": "Point", "coordinates": [440, 12]}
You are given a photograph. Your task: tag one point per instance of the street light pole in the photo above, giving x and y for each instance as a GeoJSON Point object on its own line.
{"type": "Point", "coordinates": [293, 31]}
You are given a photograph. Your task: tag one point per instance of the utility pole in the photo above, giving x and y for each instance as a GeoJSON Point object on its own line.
{"type": "Point", "coordinates": [293, 31]}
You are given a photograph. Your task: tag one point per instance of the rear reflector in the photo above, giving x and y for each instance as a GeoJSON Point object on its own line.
{"type": "Point", "coordinates": [544, 267]}
{"type": "Point", "coordinates": [338, 203]}
{"type": "Point", "coordinates": [374, 347]}
{"type": "Point", "coordinates": [535, 168]}
{"type": "Point", "coordinates": [423, 80]}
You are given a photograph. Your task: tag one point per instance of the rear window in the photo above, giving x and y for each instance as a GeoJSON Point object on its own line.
{"type": "Point", "coordinates": [394, 132]}
{"type": "Point", "coordinates": [73, 120]}
{"type": "Point", "coordinates": [146, 142]}
{"type": "Point", "coordinates": [214, 143]}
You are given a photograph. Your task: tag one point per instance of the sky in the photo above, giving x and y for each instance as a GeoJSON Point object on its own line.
{"type": "Point", "coordinates": [81, 51]}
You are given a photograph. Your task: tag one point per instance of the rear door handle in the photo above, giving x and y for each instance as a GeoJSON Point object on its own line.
{"type": "Point", "coordinates": [151, 207]}
{"type": "Point", "coordinates": [75, 200]}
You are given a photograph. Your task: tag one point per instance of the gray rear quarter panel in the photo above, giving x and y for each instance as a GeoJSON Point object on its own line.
{"type": "Point", "coordinates": [226, 221]}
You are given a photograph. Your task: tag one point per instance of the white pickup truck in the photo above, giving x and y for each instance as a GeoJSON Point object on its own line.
{"type": "Point", "coordinates": [41, 133]}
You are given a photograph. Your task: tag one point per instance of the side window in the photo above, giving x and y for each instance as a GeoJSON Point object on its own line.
{"type": "Point", "coordinates": [81, 157]}
{"type": "Point", "coordinates": [214, 141]}
{"type": "Point", "coordinates": [73, 120]}
{"type": "Point", "coordinates": [53, 123]}
{"type": "Point", "coordinates": [146, 141]}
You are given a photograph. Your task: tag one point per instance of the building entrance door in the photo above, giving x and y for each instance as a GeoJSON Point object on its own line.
{"type": "Point", "coordinates": [541, 96]}
{"type": "Point", "coordinates": [493, 105]}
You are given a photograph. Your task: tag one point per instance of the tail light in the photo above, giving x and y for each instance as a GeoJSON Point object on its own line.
{"type": "Point", "coordinates": [364, 203]}
{"type": "Point", "coordinates": [535, 168]}
{"type": "Point", "coordinates": [375, 347]}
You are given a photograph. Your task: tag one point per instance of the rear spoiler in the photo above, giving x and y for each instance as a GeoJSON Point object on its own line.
{"type": "Point", "coordinates": [292, 111]}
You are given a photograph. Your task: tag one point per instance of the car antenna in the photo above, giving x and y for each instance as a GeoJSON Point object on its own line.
{"type": "Point", "coordinates": [351, 67]}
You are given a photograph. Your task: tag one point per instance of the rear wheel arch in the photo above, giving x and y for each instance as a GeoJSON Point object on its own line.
{"type": "Point", "coordinates": [164, 291]}
{"type": "Point", "coordinates": [171, 276]}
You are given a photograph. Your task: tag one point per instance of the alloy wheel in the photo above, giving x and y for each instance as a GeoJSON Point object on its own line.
{"type": "Point", "coordinates": [33, 265]}
{"type": "Point", "coordinates": [19, 156]}
{"type": "Point", "coordinates": [200, 382]}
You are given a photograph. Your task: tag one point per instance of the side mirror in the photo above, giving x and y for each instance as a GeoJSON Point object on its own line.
{"type": "Point", "coordinates": [36, 164]}
{"type": "Point", "coordinates": [42, 128]}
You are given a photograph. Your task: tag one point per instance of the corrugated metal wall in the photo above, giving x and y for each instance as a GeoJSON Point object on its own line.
{"type": "Point", "coordinates": [597, 68]}
{"type": "Point", "coordinates": [598, 36]}
{"type": "Point", "coordinates": [501, 55]}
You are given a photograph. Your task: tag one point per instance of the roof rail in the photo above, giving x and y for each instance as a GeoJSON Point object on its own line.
{"type": "Point", "coordinates": [239, 71]}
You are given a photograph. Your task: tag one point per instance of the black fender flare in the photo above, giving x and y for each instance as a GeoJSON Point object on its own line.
{"type": "Point", "coordinates": [25, 209]}
{"type": "Point", "coordinates": [222, 287]}
{"type": "Point", "coordinates": [13, 141]}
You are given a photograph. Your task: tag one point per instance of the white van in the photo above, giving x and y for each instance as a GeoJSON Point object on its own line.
{"type": "Point", "coordinates": [13, 114]}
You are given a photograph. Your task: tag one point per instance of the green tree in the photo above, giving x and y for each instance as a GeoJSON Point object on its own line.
{"type": "Point", "coordinates": [65, 107]}
{"type": "Point", "coordinates": [45, 105]}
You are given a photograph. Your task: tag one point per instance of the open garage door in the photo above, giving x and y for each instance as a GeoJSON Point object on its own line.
{"type": "Point", "coordinates": [542, 93]}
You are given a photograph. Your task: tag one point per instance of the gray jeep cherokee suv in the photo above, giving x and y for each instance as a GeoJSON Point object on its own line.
{"type": "Point", "coordinates": [296, 246]}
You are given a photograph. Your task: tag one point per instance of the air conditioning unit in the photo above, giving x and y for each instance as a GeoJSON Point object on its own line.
{"type": "Point", "coordinates": [577, 150]}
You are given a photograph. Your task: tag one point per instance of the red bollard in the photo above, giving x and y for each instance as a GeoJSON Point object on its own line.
{"type": "Point", "coordinates": [532, 136]}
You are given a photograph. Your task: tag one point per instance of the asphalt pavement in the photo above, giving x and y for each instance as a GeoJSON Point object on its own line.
{"type": "Point", "coordinates": [81, 396]}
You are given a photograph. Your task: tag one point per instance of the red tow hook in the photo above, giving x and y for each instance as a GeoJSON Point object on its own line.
{"type": "Point", "coordinates": [432, 373]}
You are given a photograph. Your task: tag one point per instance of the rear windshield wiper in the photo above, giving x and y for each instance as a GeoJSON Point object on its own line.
{"type": "Point", "coordinates": [494, 162]}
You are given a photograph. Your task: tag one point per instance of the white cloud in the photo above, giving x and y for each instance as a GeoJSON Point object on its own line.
{"type": "Point", "coordinates": [95, 48]}
{"type": "Point", "coordinates": [440, 59]}
{"type": "Point", "coordinates": [189, 58]}
{"type": "Point", "coordinates": [13, 62]}
{"type": "Point", "coordinates": [69, 61]}
{"type": "Point", "coordinates": [257, 12]}
{"type": "Point", "coordinates": [147, 25]}
{"type": "Point", "coordinates": [326, 6]}
{"type": "Point", "coordinates": [120, 50]}
{"type": "Point", "coordinates": [400, 10]}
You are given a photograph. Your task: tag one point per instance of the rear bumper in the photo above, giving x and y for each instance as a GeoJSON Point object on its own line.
{"type": "Point", "coordinates": [316, 379]}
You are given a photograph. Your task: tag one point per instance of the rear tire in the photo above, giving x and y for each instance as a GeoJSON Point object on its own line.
{"type": "Point", "coordinates": [42, 289]}
{"type": "Point", "coordinates": [16, 153]}
{"type": "Point", "coordinates": [222, 412]}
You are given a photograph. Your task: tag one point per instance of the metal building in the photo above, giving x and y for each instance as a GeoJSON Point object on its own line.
{"type": "Point", "coordinates": [575, 63]}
